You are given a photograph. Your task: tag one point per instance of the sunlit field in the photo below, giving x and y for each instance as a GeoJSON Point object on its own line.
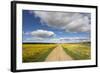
{"type": "Point", "coordinates": [80, 51]}
{"type": "Point", "coordinates": [36, 52]}
{"type": "Point", "coordinates": [39, 52]}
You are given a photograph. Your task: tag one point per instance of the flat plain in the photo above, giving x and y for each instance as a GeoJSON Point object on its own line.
{"type": "Point", "coordinates": [35, 52]}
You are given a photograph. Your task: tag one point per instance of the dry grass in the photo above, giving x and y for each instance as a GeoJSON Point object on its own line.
{"type": "Point", "coordinates": [36, 52]}
{"type": "Point", "coordinates": [78, 51]}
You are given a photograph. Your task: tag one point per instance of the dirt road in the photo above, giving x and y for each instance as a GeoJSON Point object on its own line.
{"type": "Point", "coordinates": [58, 54]}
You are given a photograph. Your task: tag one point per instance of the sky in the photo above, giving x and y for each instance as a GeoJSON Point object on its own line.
{"type": "Point", "coordinates": [55, 27]}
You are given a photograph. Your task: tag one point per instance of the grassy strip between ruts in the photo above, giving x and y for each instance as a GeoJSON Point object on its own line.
{"type": "Point", "coordinates": [35, 54]}
{"type": "Point", "coordinates": [78, 52]}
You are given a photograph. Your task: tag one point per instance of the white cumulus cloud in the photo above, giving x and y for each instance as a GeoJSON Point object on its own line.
{"type": "Point", "coordinates": [68, 21]}
{"type": "Point", "coordinates": [41, 34]}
